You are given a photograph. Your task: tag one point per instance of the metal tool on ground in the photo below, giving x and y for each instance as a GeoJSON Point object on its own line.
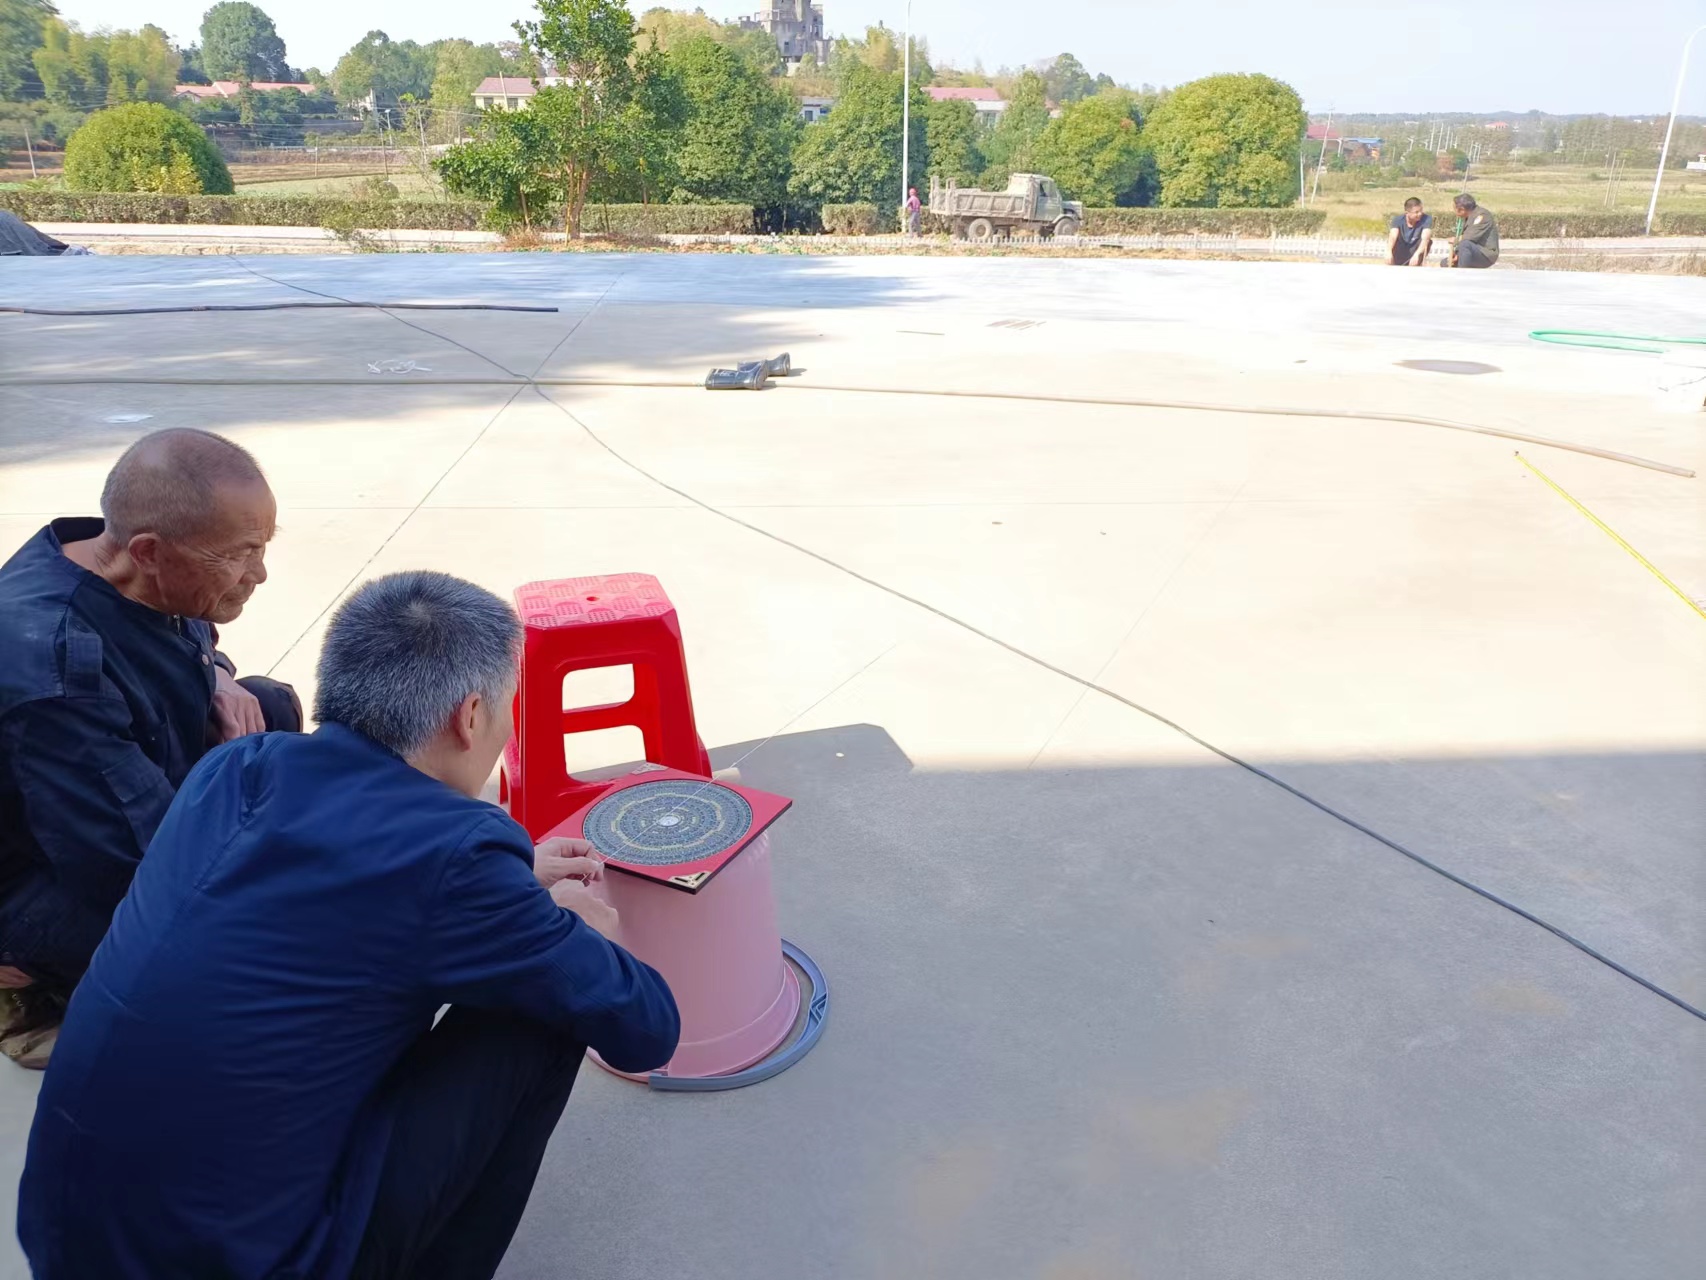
{"type": "Point", "coordinates": [750, 375]}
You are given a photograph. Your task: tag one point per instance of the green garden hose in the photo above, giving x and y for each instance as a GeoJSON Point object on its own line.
{"type": "Point", "coordinates": [1612, 341]}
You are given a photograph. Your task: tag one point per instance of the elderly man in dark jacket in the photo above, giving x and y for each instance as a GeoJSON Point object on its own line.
{"type": "Point", "coordinates": [250, 1084]}
{"type": "Point", "coordinates": [110, 690]}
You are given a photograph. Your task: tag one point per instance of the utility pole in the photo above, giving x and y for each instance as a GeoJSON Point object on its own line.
{"type": "Point", "coordinates": [30, 147]}
{"type": "Point", "coordinates": [1664, 151]}
{"type": "Point", "coordinates": [1322, 164]}
{"type": "Point", "coordinates": [906, 115]}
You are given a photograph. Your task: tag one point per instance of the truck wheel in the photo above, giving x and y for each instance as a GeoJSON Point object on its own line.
{"type": "Point", "coordinates": [980, 229]}
{"type": "Point", "coordinates": [1066, 227]}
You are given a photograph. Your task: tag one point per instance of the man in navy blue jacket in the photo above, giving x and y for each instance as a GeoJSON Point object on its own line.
{"type": "Point", "coordinates": [249, 1082]}
{"type": "Point", "coordinates": [110, 690]}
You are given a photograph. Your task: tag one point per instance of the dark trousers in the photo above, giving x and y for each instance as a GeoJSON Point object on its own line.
{"type": "Point", "coordinates": [473, 1104]}
{"type": "Point", "coordinates": [1473, 255]}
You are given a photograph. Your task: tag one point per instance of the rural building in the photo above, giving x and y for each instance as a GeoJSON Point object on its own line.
{"type": "Point", "coordinates": [511, 93]}
{"type": "Point", "coordinates": [797, 28]}
{"type": "Point", "coordinates": [1699, 164]}
{"type": "Point", "coordinates": [814, 109]}
{"type": "Point", "coordinates": [988, 103]}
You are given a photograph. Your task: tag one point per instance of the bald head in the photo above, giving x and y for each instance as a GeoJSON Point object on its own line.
{"type": "Point", "coordinates": [188, 518]}
{"type": "Point", "coordinates": [169, 483]}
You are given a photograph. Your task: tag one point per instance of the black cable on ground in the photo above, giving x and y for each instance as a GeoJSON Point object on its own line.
{"type": "Point", "coordinates": [339, 305]}
{"type": "Point", "coordinates": [1091, 685]}
{"type": "Point", "coordinates": [1120, 698]}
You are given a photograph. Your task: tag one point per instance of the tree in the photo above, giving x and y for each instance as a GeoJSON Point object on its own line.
{"type": "Point", "coordinates": [460, 68]}
{"type": "Point", "coordinates": [72, 66]}
{"type": "Point", "coordinates": [22, 26]}
{"type": "Point", "coordinates": [506, 164]}
{"type": "Point", "coordinates": [951, 139]}
{"type": "Point", "coordinates": [1066, 80]}
{"type": "Point", "coordinates": [142, 66]}
{"type": "Point", "coordinates": [672, 28]}
{"type": "Point", "coordinates": [144, 146]}
{"type": "Point", "coordinates": [239, 42]}
{"type": "Point", "coordinates": [382, 70]}
{"type": "Point", "coordinates": [854, 154]}
{"type": "Point", "coordinates": [1012, 145]}
{"type": "Point", "coordinates": [1229, 140]}
{"type": "Point", "coordinates": [1094, 150]}
{"type": "Point", "coordinates": [740, 129]}
{"type": "Point", "coordinates": [880, 50]}
{"type": "Point", "coordinates": [190, 70]}
{"type": "Point", "coordinates": [597, 120]}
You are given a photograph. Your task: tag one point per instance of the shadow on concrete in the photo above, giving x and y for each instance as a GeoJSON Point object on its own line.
{"type": "Point", "coordinates": [652, 323]}
{"type": "Point", "coordinates": [1159, 1021]}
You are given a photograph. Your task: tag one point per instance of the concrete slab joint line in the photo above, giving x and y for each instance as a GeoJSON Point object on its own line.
{"type": "Point", "coordinates": [523, 381]}
{"type": "Point", "coordinates": [1091, 685]}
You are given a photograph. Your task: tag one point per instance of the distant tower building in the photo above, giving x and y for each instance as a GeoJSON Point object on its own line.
{"type": "Point", "coordinates": [797, 26]}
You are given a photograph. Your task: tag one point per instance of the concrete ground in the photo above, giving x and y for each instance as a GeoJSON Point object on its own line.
{"type": "Point", "coordinates": [1104, 1004]}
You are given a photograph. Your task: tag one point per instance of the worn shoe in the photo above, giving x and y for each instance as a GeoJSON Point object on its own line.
{"type": "Point", "coordinates": [29, 1025]}
{"type": "Point", "coordinates": [31, 1049]}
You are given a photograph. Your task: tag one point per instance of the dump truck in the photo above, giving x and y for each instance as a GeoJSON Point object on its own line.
{"type": "Point", "coordinates": [1031, 203]}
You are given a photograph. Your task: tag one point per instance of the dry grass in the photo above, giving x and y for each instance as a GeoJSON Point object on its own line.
{"type": "Point", "coordinates": [1657, 264]}
{"type": "Point", "coordinates": [1355, 209]}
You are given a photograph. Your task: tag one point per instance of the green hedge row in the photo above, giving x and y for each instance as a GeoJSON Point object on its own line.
{"type": "Point", "coordinates": [244, 211]}
{"type": "Point", "coordinates": [1214, 222]}
{"type": "Point", "coordinates": [667, 219]}
{"type": "Point", "coordinates": [852, 220]}
{"type": "Point", "coordinates": [368, 215]}
{"type": "Point", "coordinates": [1586, 226]}
{"type": "Point", "coordinates": [44, 205]}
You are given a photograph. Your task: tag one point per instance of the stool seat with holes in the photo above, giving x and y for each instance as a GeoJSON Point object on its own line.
{"type": "Point", "coordinates": [580, 624]}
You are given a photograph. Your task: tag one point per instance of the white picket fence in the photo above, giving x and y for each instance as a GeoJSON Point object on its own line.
{"type": "Point", "coordinates": [1263, 246]}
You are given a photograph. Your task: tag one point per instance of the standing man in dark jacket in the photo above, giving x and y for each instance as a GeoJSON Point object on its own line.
{"type": "Point", "coordinates": [250, 1084]}
{"type": "Point", "coordinates": [1477, 242]}
{"type": "Point", "coordinates": [110, 689]}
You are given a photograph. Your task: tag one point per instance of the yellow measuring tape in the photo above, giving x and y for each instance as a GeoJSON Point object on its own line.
{"type": "Point", "coordinates": [1614, 536]}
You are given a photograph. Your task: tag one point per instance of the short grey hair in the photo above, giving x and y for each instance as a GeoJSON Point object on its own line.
{"type": "Point", "coordinates": [165, 483]}
{"type": "Point", "coordinates": [403, 652]}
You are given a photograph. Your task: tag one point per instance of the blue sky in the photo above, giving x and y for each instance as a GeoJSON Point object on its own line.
{"type": "Point", "coordinates": [1490, 55]}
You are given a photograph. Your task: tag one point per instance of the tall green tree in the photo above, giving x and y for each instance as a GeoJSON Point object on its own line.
{"type": "Point", "coordinates": [854, 154]}
{"type": "Point", "coordinates": [72, 66]}
{"type": "Point", "coordinates": [672, 28]}
{"type": "Point", "coordinates": [603, 121]}
{"type": "Point", "coordinates": [1012, 145]}
{"type": "Point", "coordinates": [22, 32]}
{"type": "Point", "coordinates": [507, 164]}
{"type": "Point", "coordinates": [385, 68]}
{"type": "Point", "coordinates": [1229, 140]}
{"type": "Point", "coordinates": [142, 66]}
{"type": "Point", "coordinates": [82, 70]}
{"type": "Point", "coordinates": [458, 71]}
{"type": "Point", "coordinates": [740, 130]}
{"type": "Point", "coordinates": [951, 135]}
{"type": "Point", "coordinates": [239, 42]}
{"type": "Point", "coordinates": [1066, 79]}
{"type": "Point", "coordinates": [1095, 151]}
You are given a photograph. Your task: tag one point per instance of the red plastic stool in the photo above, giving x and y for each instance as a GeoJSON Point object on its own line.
{"type": "Point", "coordinates": [577, 624]}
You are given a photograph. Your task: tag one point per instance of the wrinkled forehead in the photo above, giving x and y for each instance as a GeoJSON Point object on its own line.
{"type": "Point", "coordinates": [241, 513]}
